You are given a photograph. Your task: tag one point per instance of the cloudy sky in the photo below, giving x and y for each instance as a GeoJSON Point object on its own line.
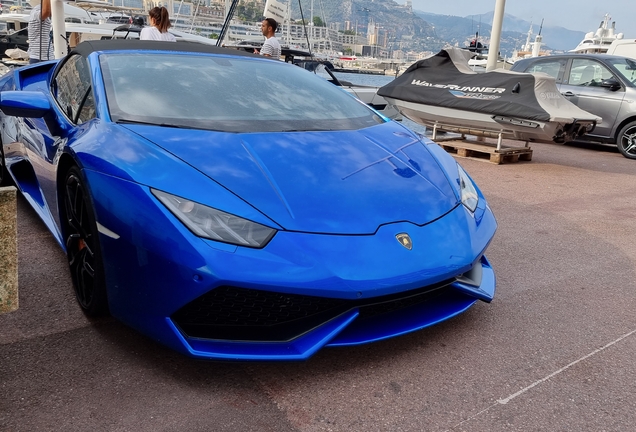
{"type": "Point", "coordinates": [581, 15]}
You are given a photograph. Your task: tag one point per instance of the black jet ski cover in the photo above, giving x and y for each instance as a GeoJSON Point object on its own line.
{"type": "Point", "coordinates": [446, 80]}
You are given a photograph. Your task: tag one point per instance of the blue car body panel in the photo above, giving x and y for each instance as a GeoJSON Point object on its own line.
{"type": "Point", "coordinates": [337, 200]}
{"type": "Point", "coordinates": [348, 172]}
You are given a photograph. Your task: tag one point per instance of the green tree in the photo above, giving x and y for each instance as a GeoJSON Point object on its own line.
{"type": "Point", "coordinates": [249, 11]}
{"type": "Point", "coordinates": [318, 22]}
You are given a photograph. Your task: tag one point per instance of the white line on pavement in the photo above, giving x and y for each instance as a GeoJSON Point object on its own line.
{"type": "Point", "coordinates": [564, 368]}
{"type": "Point", "coordinates": [536, 383]}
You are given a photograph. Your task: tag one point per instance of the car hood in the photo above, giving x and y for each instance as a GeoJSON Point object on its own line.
{"type": "Point", "coordinates": [339, 182]}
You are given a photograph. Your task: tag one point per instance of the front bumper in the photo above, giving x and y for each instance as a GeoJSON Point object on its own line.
{"type": "Point", "coordinates": [372, 286]}
{"type": "Point", "coordinates": [351, 327]}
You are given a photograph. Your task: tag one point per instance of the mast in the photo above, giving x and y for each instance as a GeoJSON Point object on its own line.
{"type": "Point", "coordinates": [495, 37]}
{"type": "Point", "coordinates": [226, 25]}
{"type": "Point", "coordinates": [526, 47]}
{"type": "Point", "coordinates": [302, 17]}
{"type": "Point", "coordinates": [287, 23]}
{"type": "Point", "coordinates": [178, 11]}
{"type": "Point", "coordinates": [196, 11]}
{"type": "Point", "coordinates": [536, 47]}
{"type": "Point", "coordinates": [59, 28]}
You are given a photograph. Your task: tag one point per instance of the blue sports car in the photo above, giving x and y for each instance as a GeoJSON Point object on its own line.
{"type": "Point", "coordinates": [232, 206]}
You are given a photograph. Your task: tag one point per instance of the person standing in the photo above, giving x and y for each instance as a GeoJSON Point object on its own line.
{"type": "Point", "coordinates": [39, 32]}
{"type": "Point", "coordinates": [271, 46]}
{"type": "Point", "coordinates": [159, 25]}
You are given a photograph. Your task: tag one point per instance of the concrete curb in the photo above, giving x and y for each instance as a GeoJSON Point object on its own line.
{"type": "Point", "coordinates": [8, 250]}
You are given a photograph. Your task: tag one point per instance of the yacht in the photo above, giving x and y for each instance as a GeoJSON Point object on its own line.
{"type": "Point", "coordinates": [598, 42]}
{"type": "Point", "coordinates": [530, 49]}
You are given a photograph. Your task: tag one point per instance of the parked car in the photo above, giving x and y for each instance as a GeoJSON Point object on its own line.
{"type": "Point", "coordinates": [232, 206]}
{"type": "Point", "coordinates": [19, 39]}
{"type": "Point", "coordinates": [601, 84]}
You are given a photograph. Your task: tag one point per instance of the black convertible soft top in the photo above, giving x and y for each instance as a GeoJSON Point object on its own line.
{"type": "Point", "coordinates": [88, 47]}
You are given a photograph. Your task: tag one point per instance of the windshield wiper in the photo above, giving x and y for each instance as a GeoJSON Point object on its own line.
{"type": "Point", "coordinates": [127, 121]}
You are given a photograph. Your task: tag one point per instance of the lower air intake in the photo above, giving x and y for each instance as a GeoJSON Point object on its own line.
{"type": "Point", "coordinates": [232, 313]}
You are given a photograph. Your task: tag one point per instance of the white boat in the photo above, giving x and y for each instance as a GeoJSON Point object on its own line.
{"type": "Point", "coordinates": [19, 17]}
{"type": "Point", "coordinates": [530, 49]}
{"type": "Point", "coordinates": [599, 41]}
{"type": "Point", "coordinates": [442, 93]}
{"type": "Point", "coordinates": [13, 52]}
{"type": "Point", "coordinates": [367, 94]}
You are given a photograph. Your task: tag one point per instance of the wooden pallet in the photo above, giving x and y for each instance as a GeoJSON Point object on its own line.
{"type": "Point", "coordinates": [485, 150]}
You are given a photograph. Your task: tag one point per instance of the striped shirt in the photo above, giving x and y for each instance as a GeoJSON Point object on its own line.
{"type": "Point", "coordinates": [40, 42]}
{"type": "Point", "coordinates": [271, 47]}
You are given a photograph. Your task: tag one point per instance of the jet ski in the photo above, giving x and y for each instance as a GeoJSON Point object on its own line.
{"type": "Point", "coordinates": [443, 93]}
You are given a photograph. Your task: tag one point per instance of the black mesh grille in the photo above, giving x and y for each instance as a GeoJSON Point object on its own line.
{"type": "Point", "coordinates": [228, 305]}
{"type": "Point", "coordinates": [402, 302]}
{"type": "Point", "coordinates": [233, 313]}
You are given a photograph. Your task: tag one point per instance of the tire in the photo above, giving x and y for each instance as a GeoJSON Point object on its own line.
{"type": "Point", "coordinates": [82, 246]}
{"type": "Point", "coordinates": [626, 140]}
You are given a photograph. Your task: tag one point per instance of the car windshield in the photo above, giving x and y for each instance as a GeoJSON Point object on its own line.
{"type": "Point", "coordinates": [225, 93]}
{"type": "Point", "coordinates": [626, 67]}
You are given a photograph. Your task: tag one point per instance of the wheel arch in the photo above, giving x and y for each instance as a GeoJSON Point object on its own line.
{"type": "Point", "coordinates": [620, 127]}
{"type": "Point", "coordinates": [64, 164]}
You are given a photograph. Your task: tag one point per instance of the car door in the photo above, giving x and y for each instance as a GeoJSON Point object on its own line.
{"type": "Point", "coordinates": [582, 87]}
{"type": "Point", "coordinates": [71, 88]}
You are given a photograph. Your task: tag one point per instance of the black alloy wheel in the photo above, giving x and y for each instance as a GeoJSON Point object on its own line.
{"type": "Point", "coordinates": [626, 141]}
{"type": "Point", "coordinates": [82, 246]}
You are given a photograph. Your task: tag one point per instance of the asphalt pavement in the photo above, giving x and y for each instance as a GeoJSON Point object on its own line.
{"type": "Point", "coordinates": [553, 352]}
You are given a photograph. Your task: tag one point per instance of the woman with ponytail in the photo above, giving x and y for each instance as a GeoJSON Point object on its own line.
{"type": "Point", "coordinates": [159, 25]}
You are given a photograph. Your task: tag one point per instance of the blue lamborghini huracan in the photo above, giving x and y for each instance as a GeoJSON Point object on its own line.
{"type": "Point", "coordinates": [232, 206]}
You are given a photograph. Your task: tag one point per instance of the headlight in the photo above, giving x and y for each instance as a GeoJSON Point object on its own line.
{"type": "Point", "coordinates": [214, 224]}
{"type": "Point", "coordinates": [469, 195]}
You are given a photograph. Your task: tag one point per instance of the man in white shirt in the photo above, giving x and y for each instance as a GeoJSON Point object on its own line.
{"type": "Point", "coordinates": [39, 31]}
{"type": "Point", "coordinates": [271, 46]}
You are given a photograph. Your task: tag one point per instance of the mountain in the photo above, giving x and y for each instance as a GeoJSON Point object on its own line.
{"type": "Point", "coordinates": [422, 31]}
{"type": "Point", "coordinates": [404, 28]}
{"type": "Point", "coordinates": [557, 38]}
{"type": "Point", "coordinates": [456, 30]}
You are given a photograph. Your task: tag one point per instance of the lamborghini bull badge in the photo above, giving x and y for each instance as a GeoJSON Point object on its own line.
{"type": "Point", "coordinates": [405, 240]}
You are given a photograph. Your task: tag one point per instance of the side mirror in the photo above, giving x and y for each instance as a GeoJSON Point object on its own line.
{"type": "Point", "coordinates": [611, 84]}
{"type": "Point", "coordinates": [30, 104]}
